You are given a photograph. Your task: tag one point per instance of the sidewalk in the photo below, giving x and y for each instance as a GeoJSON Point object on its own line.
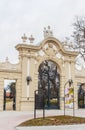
{"type": "Point", "coordinates": [10, 119]}
{"type": "Point", "coordinates": [63, 127]}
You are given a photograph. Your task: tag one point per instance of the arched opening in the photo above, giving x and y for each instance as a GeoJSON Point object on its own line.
{"type": "Point", "coordinates": [81, 95]}
{"type": "Point", "coordinates": [49, 82]}
{"type": "Point", "coordinates": [9, 95]}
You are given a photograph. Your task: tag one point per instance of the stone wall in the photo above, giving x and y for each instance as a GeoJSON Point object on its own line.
{"type": "Point", "coordinates": [10, 72]}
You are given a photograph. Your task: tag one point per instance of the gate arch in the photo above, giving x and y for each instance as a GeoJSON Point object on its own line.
{"type": "Point", "coordinates": [49, 81]}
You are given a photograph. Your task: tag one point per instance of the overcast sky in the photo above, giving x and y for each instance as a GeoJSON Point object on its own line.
{"type": "Point", "coordinates": [31, 16]}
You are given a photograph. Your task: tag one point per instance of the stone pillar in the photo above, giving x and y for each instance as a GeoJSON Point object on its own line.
{"type": "Point", "coordinates": [18, 94]}
{"type": "Point", "coordinates": [74, 85]}
{"type": "Point", "coordinates": [28, 74]}
{"type": "Point", "coordinates": [32, 74]}
{"type": "Point", "coordinates": [67, 74]}
{"type": "Point", "coordinates": [24, 75]}
{"type": "Point", "coordinates": [32, 85]}
{"type": "Point", "coordinates": [62, 82]}
{"type": "Point", "coordinates": [25, 99]}
{"type": "Point", "coordinates": [66, 71]}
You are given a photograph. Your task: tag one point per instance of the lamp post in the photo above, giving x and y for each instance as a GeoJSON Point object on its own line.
{"type": "Point", "coordinates": [70, 82]}
{"type": "Point", "coordinates": [4, 106]}
{"type": "Point", "coordinates": [47, 71]}
{"type": "Point", "coordinates": [48, 89]}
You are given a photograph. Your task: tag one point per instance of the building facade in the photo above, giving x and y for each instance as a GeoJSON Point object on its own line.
{"type": "Point", "coordinates": [26, 72]}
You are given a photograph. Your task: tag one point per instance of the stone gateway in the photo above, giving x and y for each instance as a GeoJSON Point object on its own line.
{"type": "Point", "coordinates": [48, 65]}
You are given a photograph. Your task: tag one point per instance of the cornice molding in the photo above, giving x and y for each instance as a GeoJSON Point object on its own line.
{"type": "Point", "coordinates": [52, 40]}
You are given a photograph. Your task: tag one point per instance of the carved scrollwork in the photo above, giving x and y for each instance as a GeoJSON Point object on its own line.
{"type": "Point", "coordinates": [50, 45]}
{"type": "Point", "coordinates": [49, 50]}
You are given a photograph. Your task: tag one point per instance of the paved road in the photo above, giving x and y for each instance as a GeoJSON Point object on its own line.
{"type": "Point", "coordinates": [10, 119]}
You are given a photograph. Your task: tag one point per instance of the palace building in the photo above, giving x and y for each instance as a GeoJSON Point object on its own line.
{"type": "Point", "coordinates": [48, 69]}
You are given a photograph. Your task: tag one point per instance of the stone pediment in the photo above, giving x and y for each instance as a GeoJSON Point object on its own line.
{"type": "Point", "coordinates": [49, 46]}
{"type": "Point", "coordinates": [52, 42]}
{"type": "Point", "coordinates": [52, 47]}
{"type": "Point", "coordinates": [57, 46]}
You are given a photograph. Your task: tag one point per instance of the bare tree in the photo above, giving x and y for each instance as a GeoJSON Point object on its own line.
{"type": "Point", "coordinates": [79, 35]}
{"type": "Point", "coordinates": [77, 40]}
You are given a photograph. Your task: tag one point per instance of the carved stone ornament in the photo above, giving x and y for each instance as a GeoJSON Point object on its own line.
{"type": "Point", "coordinates": [50, 45]}
{"type": "Point", "coordinates": [47, 32]}
{"type": "Point", "coordinates": [49, 50]}
{"type": "Point", "coordinates": [58, 55]}
{"type": "Point", "coordinates": [40, 53]}
{"type": "Point", "coordinates": [46, 46]}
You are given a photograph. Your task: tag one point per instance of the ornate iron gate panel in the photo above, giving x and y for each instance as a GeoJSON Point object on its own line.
{"type": "Point", "coordinates": [81, 96]}
{"type": "Point", "coordinates": [39, 99]}
{"type": "Point", "coordinates": [49, 81]}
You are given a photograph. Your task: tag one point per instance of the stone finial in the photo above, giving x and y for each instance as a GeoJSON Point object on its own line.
{"type": "Point", "coordinates": [24, 38]}
{"type": "Point", "coordinates": [47, 32]}
{"type": "Point", "coordinates": [31, 39]}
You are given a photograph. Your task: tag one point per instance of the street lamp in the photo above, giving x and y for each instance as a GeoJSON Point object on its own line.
{"type": "Point", "coordinates": [28, 79]}
{"type": "Point", "coordinates": [48, 78]}
{"type": "Point", "coordinates": [69, 82]}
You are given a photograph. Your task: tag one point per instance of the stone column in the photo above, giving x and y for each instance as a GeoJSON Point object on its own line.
{"type": "Point", "coordinates": [74, 85]}
{"type": "Point", "coordinates": [24, 75]}
{"type": "Point", "coordinates": [32, 74]}
{"type": "Point", "coordinates": [66, 71]}
{"type": "Point", "coordinates": [32, 86]}
{"type": "Point", "coordinates": [62, 82]}
{"type": "Point", "coordinates": [28, 74]}
{"type": "Point", "coordinates": [18, 94]}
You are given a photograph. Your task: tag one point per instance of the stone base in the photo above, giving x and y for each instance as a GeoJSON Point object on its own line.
{"type": "Point", "coordinates": [27, 105]}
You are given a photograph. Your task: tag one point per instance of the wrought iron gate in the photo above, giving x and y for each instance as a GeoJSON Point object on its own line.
{"type": "Point", "coordinates": [49, 81]}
